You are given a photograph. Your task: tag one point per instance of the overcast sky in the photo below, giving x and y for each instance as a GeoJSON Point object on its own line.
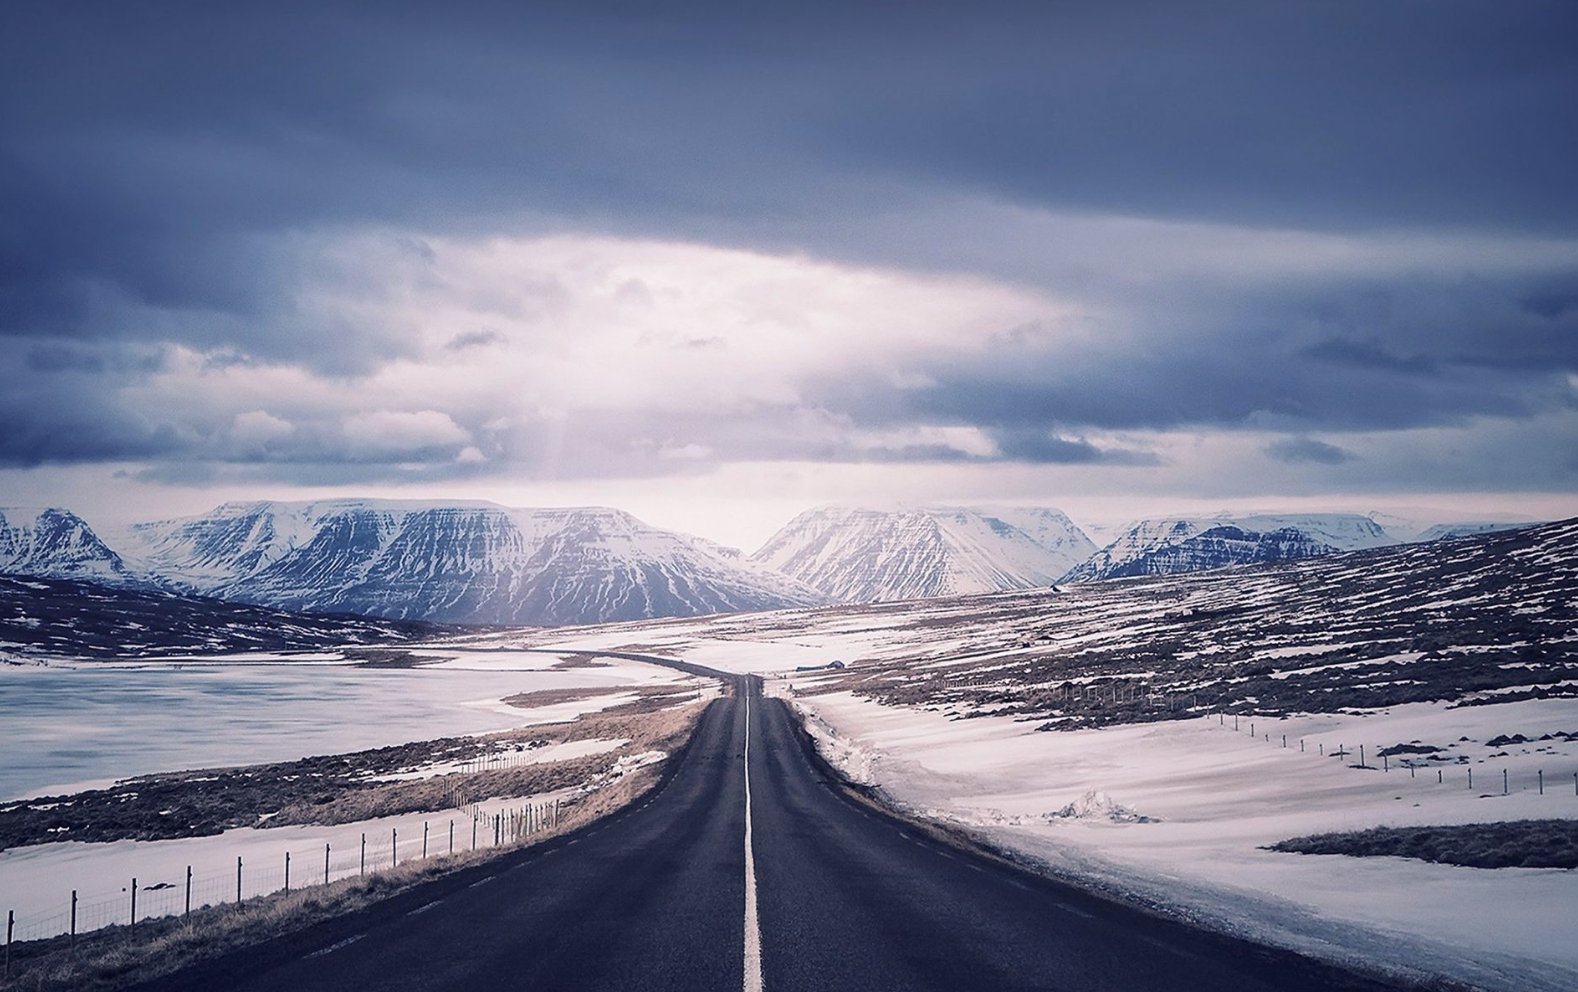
{"type": "Point", "coordinates": [717, 262]}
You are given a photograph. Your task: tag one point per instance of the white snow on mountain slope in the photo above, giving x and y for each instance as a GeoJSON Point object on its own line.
{"type": "Point", "coordinates": [52, 543]}
{"type": "Point", "coordinates": [1422, 523]}
{"type": "Point", "coordinates": [463, 562]}
{"type": "Point", "coordinates": [1189, 544]}
{"type": "Point", "coordinates": [866, 554]}
{"type": "Point", "coordinates": [232, 540]}
{"type": "Point", "coordinates": [1441, 532]}
{"type": "Point", "coordinates": [1049, 528]}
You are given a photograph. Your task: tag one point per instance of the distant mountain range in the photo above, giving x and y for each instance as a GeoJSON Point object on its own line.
{"type": "Point", "coordinates": [1181, 544]}
{"type": "Point", "coordinates": [864, 554]}
{"type": "Point", "coordinates": [479, 563]}
{"type": "Point", "coordinates": [455, 562]}
{"type": "Point", "coordinates": [57, 544]}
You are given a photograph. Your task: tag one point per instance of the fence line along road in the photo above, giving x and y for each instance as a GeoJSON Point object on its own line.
{"type": "Point", "coordinates": [153, 893]}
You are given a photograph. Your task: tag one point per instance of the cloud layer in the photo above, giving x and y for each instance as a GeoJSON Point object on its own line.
{"type": "Point", "coordinates": [1139, 244]}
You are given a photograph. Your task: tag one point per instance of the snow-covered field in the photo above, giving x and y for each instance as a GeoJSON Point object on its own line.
{"type": "Point", "coordinates": [75, 726]}
{"type": "Point", "coordinates": [37, 882]}
{"type": "Point", "coordinates": [1217, 796]}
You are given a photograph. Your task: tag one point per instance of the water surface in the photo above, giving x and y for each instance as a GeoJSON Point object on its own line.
{"type": "Point", "coordinates": [86, 725]}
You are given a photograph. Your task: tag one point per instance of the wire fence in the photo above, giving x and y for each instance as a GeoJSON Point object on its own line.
{"type": "Point", "coordinates": [251, 876]}
{"type": "Point", "coordinates": [1401, 758]}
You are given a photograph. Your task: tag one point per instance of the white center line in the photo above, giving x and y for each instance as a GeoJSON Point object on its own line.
{"type": "Point", "coordinates": [335, 946]}
{"type": "Point", "coordinates": [753, 930]}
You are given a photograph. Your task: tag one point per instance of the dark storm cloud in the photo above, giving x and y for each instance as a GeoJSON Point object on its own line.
{"type": "Point", "coordinates": [473, 339]}
{"type": "Point", "coordinates": [159, 165]}
{"type": "Point", "coordinates": [1370, 356]}
{"type": "Point", "coordinates": [1344, 353]}
{"type": "Point", "coordinates": [1039, 446]}
{"type": "Point", "coordinates": [143, 144]}
{"type": "Point", "coordinates": [1306, 449]}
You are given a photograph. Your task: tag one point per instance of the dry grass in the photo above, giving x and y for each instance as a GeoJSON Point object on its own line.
{"type": "Point", "coordinates": [578, 660]}
{"type": "Point", "coordinates": [1507, 844]}
{"type": "Point", "coordinates": [553, 697]}
{"type": "Point", "coordinates": [119, 956]}
{"type": "Point", "coordinates": [661, 727]}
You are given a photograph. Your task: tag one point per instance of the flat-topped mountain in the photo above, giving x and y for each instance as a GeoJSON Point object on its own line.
{"type": "Point", "coordinates": [866, 554]}
{"type": "Point", "coordinates": [1191, 544]}
{"type": "Point", "coordinates": [456, 562]}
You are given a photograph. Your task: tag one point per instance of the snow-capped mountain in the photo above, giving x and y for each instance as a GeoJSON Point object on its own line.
{"type": "Point", "coordinates": [1049, 528]}
{"type": "Point", "coordinates": [1413, 524]}
{"type": "Point", "coordinates": [1439, 532]}
{"type": "Point", "coordinates": [456, 562]}
{"type": "Point", "coordinates": [1183, 544]}
{"type": "Point", "coordinates": [57, 544]}
{"type": "Point", "coordinates": [864, 554]}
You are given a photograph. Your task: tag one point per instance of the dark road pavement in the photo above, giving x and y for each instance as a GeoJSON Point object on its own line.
{"type": "Point", "coordinates": [657, 897]}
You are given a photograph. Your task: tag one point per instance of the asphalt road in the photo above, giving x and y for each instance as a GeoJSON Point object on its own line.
{"type": "Point", "coordinates": [840, 896]}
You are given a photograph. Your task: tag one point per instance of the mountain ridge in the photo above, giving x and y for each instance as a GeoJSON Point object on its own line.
{"type": "Point", "coordinates": [874, 554]}
{"type": "Point", "coordinates": [475, 561]}
{"type": "Point", "coordinates": [55, 543]}
{"type": "Point", "coordinates": [461, 561]}
{"type": "Point", "coordinates": [1170, 545]}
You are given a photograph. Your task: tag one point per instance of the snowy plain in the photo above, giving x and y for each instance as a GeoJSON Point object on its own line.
{"type": "Point", "coordinates": [1217, 796]}
{"type": "Point", "coordinates": [37, 882]}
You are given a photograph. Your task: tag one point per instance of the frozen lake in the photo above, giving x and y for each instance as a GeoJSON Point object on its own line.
{"type": "Point", "coordinates": [67, 728]}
